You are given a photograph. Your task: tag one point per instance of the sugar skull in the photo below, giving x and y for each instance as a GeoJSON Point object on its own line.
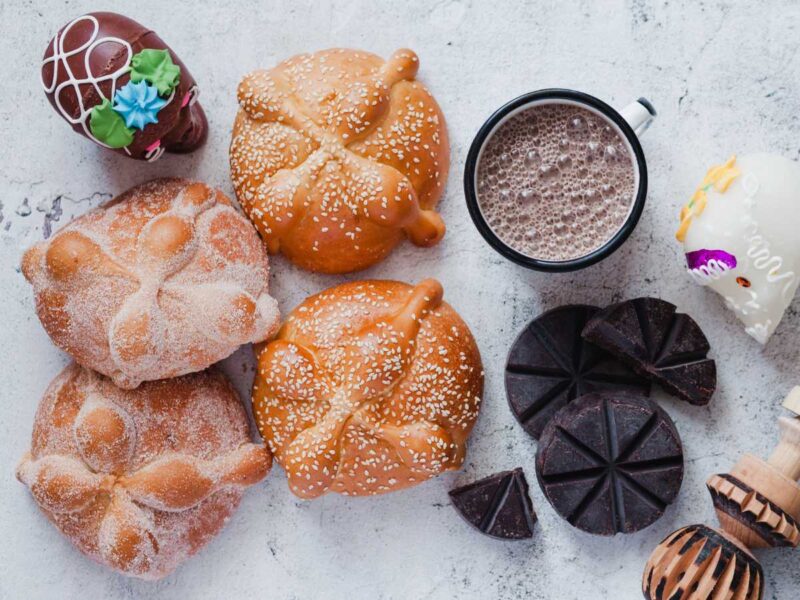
{"type": "Point", "coordinates": [741, 235]}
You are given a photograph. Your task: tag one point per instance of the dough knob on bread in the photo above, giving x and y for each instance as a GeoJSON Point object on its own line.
{"type": "Point", "coordinates": [177, 482]}
{"type": "Point", "coordinates": [104, 436]}
{"type": "Point", "coordinates": [427, 230]}
{"type": "Point", "coordinates": [126, 540]}
{"type": "Point", "coordinates": [72, 253]}
{"type": "Point", "coordinates": [60, 484]}
{"type": "Point", "coordinates": [166, 243]}
{"type": "Point", "coordinates": [402, 64]}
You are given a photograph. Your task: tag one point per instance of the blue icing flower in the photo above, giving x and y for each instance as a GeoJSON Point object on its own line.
{"type": "Point", "coordinates": [138, 103]}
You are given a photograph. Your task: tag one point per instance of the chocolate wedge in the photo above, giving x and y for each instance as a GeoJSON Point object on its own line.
{"type": "Point", "coordinates": [498, 505]}
{"type": "Point", "coordinates": [660, 344]}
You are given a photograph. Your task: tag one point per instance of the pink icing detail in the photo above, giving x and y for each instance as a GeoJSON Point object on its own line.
{"type": "Point", "coordinates": [186, 99]}
{"type": "Point", "coordinates": [153, 146]}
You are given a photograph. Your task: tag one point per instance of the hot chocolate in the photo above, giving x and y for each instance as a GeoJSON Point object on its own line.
{"type": "Point", "coordinates": [556, 181]}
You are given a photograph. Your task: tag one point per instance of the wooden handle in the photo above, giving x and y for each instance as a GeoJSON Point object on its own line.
{"type": "Point", "coordinates": [792, 401]}
{"type": "Point", "coordinates": [786, 456]}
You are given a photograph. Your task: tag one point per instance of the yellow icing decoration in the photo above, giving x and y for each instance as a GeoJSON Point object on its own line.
{"type": "Point", "coordinates": [719, 177]}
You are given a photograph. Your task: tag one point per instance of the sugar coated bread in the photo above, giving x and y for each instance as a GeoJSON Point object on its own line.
{"type": "Point", "coordinates": [370, 387]}
{"type": "Point", "coordinates": [140, 480]}
{"type": "Point", "coordinates": [337, 156]}
{"type": "Point", "coordinates": [164, 280]}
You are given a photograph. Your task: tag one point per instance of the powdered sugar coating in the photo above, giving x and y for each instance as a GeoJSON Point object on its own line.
{"type": "Point", "coordinates": [370, 387]}
{"type": "Point", "coordinates": [140, 480]}
{"type": "Point", "coordinates": [337, 155]}
{"type": "Point", "coordinates": [164, 280]}
{"type": "Point", "coordinates": [556, 181]}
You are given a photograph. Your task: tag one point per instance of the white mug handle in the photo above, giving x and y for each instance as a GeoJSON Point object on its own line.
{"type": "Point", "coordinates": [639, 115]}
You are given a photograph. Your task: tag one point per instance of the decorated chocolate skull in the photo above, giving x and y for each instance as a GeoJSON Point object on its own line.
{"type": "Point", "coordinates": [116, 82]}
{"type": "Point", "coordinates": [741, 235]}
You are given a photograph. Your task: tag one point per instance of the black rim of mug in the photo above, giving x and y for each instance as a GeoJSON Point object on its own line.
{"type": "Point", "coordinates": [472, 198]}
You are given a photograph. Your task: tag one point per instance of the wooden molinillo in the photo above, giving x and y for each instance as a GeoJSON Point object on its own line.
{"type": "Point", "coordinates": [758, 506]}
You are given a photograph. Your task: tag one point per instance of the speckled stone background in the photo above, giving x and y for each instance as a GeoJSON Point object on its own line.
{"type": "Point", "coordinates": [724, 78]}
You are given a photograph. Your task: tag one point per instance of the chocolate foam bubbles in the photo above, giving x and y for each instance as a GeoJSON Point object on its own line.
{"type": "Point", "coordinates": [556, 181]}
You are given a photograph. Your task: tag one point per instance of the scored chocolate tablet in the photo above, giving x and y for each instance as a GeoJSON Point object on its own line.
{"type": "Point", "coordinates": [498, 505]}
{"type": "Point", "coordinates": [610, 463]}
{"type": "Point", "coordinates": [550, 365]}
{"type": "Point", "coordinates": [660, 343]}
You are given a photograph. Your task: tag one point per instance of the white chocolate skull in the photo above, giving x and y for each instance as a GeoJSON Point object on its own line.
{"type": "Point", "coordinates": [741, 235]}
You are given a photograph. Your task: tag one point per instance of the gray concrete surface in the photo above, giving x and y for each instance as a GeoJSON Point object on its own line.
{"type": "Point", "coordinates": [724, 78]}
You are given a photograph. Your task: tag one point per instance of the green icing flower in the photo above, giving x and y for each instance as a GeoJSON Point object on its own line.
{"type": "Point", "coordinates": [157, 68]}
{"type": "Point", "coordinates": [109, 127]}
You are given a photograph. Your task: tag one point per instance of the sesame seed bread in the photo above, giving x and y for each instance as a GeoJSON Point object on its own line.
{"type": "Point", "coordinates": [166, 279]}
{"type": "Point", "coordinates": [140, 480]}
{"type": "Point", "coordinates": [337, 156]}
{"type": "Point", "coordinates": [369, 387]}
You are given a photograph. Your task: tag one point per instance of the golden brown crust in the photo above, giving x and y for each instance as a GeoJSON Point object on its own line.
{"type": "Point", "coordinates": [370, 387]}
{"type": "Point", "coordinates": [164, 280]}
{"type": "Point", "coordinates": [337, 155]}
{"type": "Point", "coordinates": [140, 480]}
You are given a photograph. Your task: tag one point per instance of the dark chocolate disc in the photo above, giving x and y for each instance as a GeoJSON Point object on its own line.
{"type": "Point", "coordinates": [498, 505]}
{"type": "Point", "coordinates": [610, 463]}
{"type": "Point", "coordinates": [659, 343]}
{"type": "Point", "coordinates": [550, 365]}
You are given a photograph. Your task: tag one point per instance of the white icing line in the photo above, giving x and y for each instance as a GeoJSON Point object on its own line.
{"type": "Point", "coordinates": [763, 259]}
{"type": "Point", "coordinates": [59, 59]}
{"type": "Point", "coordinates": [195, 94]}
{"type": "Point", "coordinates": [155, 154]}
{"type": "Point", "coordinates": [711, 271]}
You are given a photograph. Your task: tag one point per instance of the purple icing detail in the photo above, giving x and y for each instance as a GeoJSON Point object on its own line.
{"type": "Point", "coordinates": [700, 258]}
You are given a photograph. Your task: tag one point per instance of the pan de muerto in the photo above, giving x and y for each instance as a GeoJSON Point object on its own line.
{"type": "Point", "coordinates": [164, 280]}
{"type": "Point", "coordinates": [140, 480]}
{"type": "Point", "coordinates": [337, 156]}
{"type": "Point", "coordinates": [370, 387]}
